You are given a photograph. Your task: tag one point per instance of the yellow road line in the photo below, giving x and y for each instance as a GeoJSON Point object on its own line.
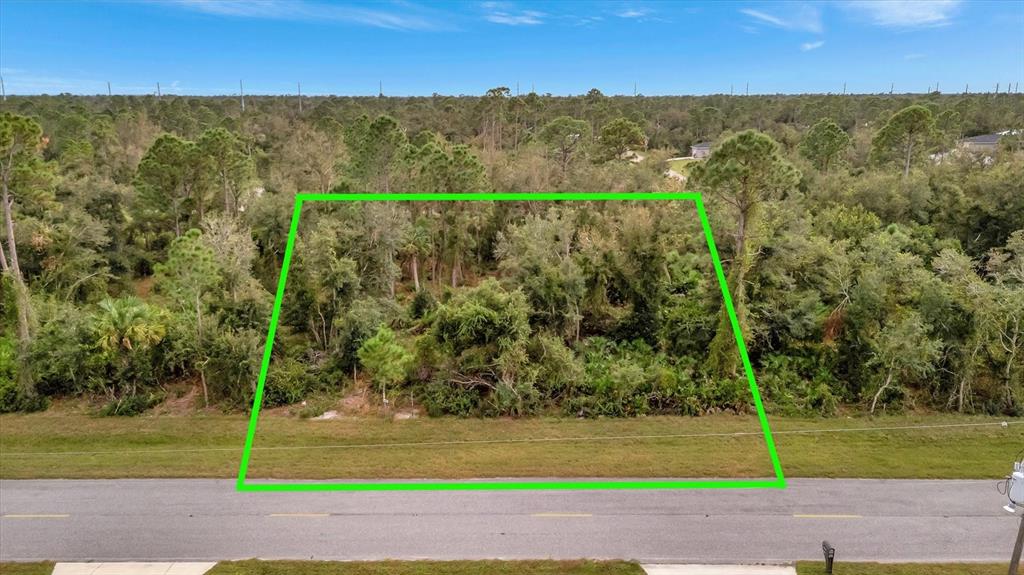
{"type": "Point", "coordinates": [811, 516]}
{"type": "Point", "coordinates": [561, 515]}
{"type": "Point", "coordinates": [36, 516]}
{"type": "Point", "coordinates": [299, 515]}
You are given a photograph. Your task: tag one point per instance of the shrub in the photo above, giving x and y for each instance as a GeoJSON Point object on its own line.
{"type": "Point", "coordinates": [558, 370]}
{"type": "Point", "coordinates": [356, 325]}
{"type": "Point", "coordinates": [444, 398]}
{"type": "Point", "coordinates": [13, 398]}
{"type": "Point", "coordinates": [63, 353]}
{"type": "Point", "coordinates": [422, 304]}
{"type": "Point", "coordinates": [131, 405]}
{"type": "Point", "coordinates": [288, 381]}
{"type": "Point", "coordinates": [234, 364]}
{"type": "Point", "coordinates": [795, 385]}
{"type": "Point", "coordinates": [385, 359]}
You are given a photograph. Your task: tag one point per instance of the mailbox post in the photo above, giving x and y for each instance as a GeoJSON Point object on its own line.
{"type": "Point", "coordinates": [830, 555]}
{"type": "Point", "coordinates": [1015, 493]}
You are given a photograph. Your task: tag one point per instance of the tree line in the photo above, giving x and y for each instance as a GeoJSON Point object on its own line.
{"type": "Point", "coordinates": [870, 269]}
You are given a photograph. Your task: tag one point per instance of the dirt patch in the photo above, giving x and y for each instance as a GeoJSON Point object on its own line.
{"type": "Point", "coordinates": [144, 287]}
{"type": "Point", "coordinates": [357, 402]}
{"type": "Point", "coordinates": [183, 397]}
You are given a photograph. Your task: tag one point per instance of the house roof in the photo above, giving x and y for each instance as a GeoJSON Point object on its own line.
{"type": "Point", "coordinates": [991, 139]}
{"type": "Point", "coordinates": [701, 145]}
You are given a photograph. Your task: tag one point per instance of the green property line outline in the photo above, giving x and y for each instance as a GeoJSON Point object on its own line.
{"type": "Point", "coordinates": [779, 482]}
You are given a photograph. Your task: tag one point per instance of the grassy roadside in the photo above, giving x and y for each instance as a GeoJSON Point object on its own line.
{"type": "Point", "coordinates": [43, 568]}
{"type": "Point", "coordinates": [81, 446]}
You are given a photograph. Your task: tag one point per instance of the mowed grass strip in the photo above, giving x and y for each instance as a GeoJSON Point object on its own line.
{"type": "Point", "coordinates": [818, 568]}
{"type": "Point", "coordinates": [42, 568]}
{"type": "Point", "coordinates": [54, 445]}
{"type": "Point", "coordinates": [427, 568]}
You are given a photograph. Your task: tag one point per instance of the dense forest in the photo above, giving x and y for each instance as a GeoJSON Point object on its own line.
{"type": "Point", "coordinates": [874, 265]}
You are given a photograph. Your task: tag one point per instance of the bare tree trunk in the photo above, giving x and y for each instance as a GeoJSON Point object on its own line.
{"type": "Point", "coordinates": [878, 394]}
{"type": "Point", "coordinates": [3, 258]}
{"type": "Point", "coordinates": [416, 271]}
{"type": "Point", "coordinates": [906, 165]}
{"type": "Point", "coordinates": [199, 334]}
{"type": "Point", "coordinates": [22, 299]}
{"type": "Point", "coordinates": [9, 228]}
{"type": "Point", "coordinates": [227, 195]}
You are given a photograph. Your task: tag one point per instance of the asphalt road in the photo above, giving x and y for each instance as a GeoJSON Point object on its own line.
{"type": "Point", "coordinates": [880, 520]}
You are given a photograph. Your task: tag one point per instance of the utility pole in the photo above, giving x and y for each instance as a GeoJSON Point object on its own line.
{"type": "Point", "coordinates": [1017, 548]}
{"type": "Point", "coordinates": [892, 87]}
{"type": "Point", "coordinates": [730, 89]}
{"type": "Point", "coordinates": [241, 95]}
{"type": "Point", "coordinates": [108, 90]}
{"type": "Point", "coordinates": [158, 90]}
{"type": "Point", "coordinates": [300, 97]}
{"type": "Point", "coordinates": [936, 86]}
{"type": "Point", "coordinates": [967, 88]}
{"type": "Point", "coordinates": [380, 88]}
{"type": "Point", "coordinates": [3, 91]}
{"type": "Point", "coordinates": [517, 88]}
{"type": "Point", "coordinates": [747, 93]}
{"type": "Point", "coordinates": [844, 88]}
{"type": "Point", "coordinates": [997, 87]}
{"type": "Point", "coordinates": [634, 89]}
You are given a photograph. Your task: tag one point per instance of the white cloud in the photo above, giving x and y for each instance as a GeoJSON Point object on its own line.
{"type": "Point", "coordinates": [808, 46]}
{"type": "Point", "coordinates": [524, 18]}
{"type": "Point", "coordinates": [506, 13]}
{"type": "Point", "coordinates": [906, 13]}
{"type": "Point", "coordinates": [304, 10]}
{"type": "Point", "coordinates": [632, 13]}
{"type": "Point", "coordinates": [804, 17]}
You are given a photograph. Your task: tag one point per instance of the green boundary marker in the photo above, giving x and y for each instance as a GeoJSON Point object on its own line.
{"type": "Point", "coordinates": [779, 482]}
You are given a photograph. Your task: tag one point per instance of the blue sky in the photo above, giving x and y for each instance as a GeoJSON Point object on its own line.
{"type": "Point", "coordinates": [418, 48]}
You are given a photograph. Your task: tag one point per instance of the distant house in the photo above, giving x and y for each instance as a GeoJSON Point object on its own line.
{"type": "Point", "coordinates": [700, 150]}
{"type": "Point", "coordinates": [985, 143]}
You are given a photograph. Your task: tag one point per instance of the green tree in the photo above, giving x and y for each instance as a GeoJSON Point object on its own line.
{"type": "Point", "coordinates": [377, 149]}
{"type": "Point", "coordinates": [228, 165]}
{"type": "Point", "coordinates": [743, 173]}
{"type": "Point", "coordinates": [620, 136]}
{"type": "Point", "coordinates": [24, 179]}
{"type": "Point", "coordinates": [125, 331]}
{"type": "Point", "coordinates": [385, 359]}
{"type": "Point", "coordinates": [484, 332]}
{"type": "Point", "coordinates": [312, 158]}
{"type": "Point", "coordinates": [903, 349]}
{"type": "Point", "coordinates": [188, 277]}
{"type": "Point", "coordinates": [329, 277]}
{"type": "Point", "coordinates": [565, 136]}
{"type": "Point", "coordinates": [537, 255]}
{"type": "Point", "coordinates": [824, 143]}
{"type": "Point", "coordinates": [169, 183]}
{"type": "Point", "coordinates": [905, 135]}
{"type": "Point", "coordinates": [441, 168]}
{"type": "Point", "coordinates": [417, 244]}
{"type": "Point", "coordinates": [707, 121]}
